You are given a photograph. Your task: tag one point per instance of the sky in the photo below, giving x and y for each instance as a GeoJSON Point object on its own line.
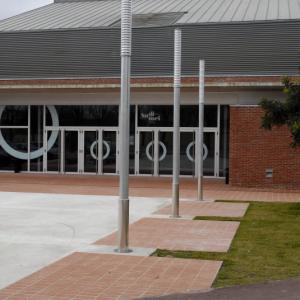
{"type": "Point", "coordinates": [10, 8]}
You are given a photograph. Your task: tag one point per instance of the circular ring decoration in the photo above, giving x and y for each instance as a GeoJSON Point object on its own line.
{"type": "Point", "coordinates": [92, 150]}
{"type": "Point", "coordinates": [188, 151]}
{"type": "Point", "coordinates": [163, 156]}
{"type": "Point", "coordinates": [39, 152]}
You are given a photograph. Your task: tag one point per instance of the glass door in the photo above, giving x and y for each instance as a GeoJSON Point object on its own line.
{"type": "Point", "coordinates": [91, 151]}
{"type": "Point", "coordinates": [165, 152]}
{"type": "Point", "coordinates": [71, 151]}
{"type": "Point", "coordinates": [100, 143]}
{"type": "Point", "coordinates": [109, 151]}
{"type": "Point", "coordinates": [209, 154]}
{"type": "Point", "coordinates": [146, 152]}
{"type": "Point", "coordinates": [187, 152]}
{"type": "Point", "coordinates": [52, 156]}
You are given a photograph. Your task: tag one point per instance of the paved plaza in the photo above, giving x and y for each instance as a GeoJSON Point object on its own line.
{"type": "Point", "coordinates": [207, 209]}
{"type": "Point", "coordinates": [107, 277]}
{"type": "Point", "coordinates": [55, 227]}
{"type": "Point", "coordinates": [139, 187]}
{"type": "Point", "coordinates": [177, 234]}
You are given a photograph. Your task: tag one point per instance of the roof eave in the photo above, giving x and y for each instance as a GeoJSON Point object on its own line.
{"type": "Point", "coordinates": [143, 82]}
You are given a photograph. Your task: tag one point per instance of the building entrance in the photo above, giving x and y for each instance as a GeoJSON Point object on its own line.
{"type": "Point", "coordinates": [83, 139]}
{"type": "Point", "coordinates": [155, 152]}
{"type": "Point", "coordinates": [77, 150]}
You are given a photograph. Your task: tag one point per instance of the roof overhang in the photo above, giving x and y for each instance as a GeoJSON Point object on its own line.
{"type": "Point", "coordinates": [144, 82]}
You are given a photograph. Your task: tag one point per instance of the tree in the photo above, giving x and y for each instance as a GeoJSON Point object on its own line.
{"type": "Point", "coordinates": [280, 113]}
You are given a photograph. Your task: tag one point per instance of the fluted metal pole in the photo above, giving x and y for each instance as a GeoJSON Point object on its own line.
{"type": "Point", "coordinates": [126, 37]}
{"type": "Point", "coordinates": [201, 126]}
{"type": "Point", "coordinates": [176, 125]}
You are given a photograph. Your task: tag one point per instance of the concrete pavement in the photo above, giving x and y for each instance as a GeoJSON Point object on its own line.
{"type": "Point", "coordinates": [37, 229]}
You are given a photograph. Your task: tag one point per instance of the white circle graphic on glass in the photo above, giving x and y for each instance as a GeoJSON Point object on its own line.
{"type": "Point", "coordinates": [39, 152]}
{"type": "Point", "coordinates": [188, 151]}
{"type": "Point", "coordinates": [164, 154]}
{"type": "Point", "coordinates": [92, 150]}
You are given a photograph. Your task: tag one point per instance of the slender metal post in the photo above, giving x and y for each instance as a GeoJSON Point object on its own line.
{"type": "Point", "coordinates": [201, 126]}
{"type": "Point", "coordinates": [176, 125]}
{"type": "Point", "coordinates": [126, 37]}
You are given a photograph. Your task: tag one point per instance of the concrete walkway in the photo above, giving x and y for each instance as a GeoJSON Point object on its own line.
{"type": "Point", "coordinates": [37, 229]}
{"type": "Point", "coordinates": [277, 290]}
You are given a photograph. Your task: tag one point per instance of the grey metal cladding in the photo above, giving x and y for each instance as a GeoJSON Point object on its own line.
{"type": "Point", "coordinates": [95, 14]}
{"type": "Point", "coordinates": [152, 20]}
{"type": "Point", "coordinates": [266, 48]}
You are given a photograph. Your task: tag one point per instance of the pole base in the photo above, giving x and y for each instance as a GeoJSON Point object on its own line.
{"type": "Point", "coordinates": [127, 250]}
{"type": "Point", "coordinates": [175, 202]}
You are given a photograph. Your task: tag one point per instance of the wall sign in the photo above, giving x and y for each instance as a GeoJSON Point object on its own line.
{"type": "Point", "coordinates": [150, 116]}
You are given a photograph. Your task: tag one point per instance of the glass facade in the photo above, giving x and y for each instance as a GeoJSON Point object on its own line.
{"type": "Point", "coordinates": [84, 139]}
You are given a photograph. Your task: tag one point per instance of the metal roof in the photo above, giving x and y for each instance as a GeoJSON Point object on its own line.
{"type": "Point", "coordinates": [72, 14]}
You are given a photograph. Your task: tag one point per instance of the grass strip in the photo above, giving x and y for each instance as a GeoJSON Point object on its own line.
{"type": "Point", "coordinates": [266, 246]}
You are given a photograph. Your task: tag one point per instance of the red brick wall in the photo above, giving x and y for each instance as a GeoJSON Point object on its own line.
{"type": "Point", "coordinates": [253, 150]}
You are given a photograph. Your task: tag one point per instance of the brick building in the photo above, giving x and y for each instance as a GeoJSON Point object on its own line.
{"type": "Point", "coordinates": [59, 88]}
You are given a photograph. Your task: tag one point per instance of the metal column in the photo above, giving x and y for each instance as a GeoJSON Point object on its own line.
{"type": "Point", "coordinates": [201, 126]}
{"type": "Point", "coordinates": [126, 36]}
{"type": "Point", "coordinates": [176, 125]}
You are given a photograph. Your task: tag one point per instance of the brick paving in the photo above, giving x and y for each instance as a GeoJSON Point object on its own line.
{"type": "Point", "coordinates": [106, 277]}
{"type": "Point", "coordinates": [208, 209]}
{"type": "Point", "coordinates": [139, 187]}
{"type": "Point", "coordinates": [87, 276]}
{"type": "Point", "coordinates": [175, 234]}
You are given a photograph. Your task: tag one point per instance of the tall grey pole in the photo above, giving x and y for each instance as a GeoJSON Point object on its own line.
{"type": "Point", "coordinates": [126, 37]}
{"type": "Point", "coordinates": [201, 125]}
{"type": "Point", "coordinates": [176, 133]}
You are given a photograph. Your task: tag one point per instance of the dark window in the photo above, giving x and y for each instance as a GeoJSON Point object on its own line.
{"type": "Point", "coordinates": [155, 116]}
{"type": "Point", "coordinates": [189, 116]}
{"type": "Point", "coordinates": [14, 115]}
{"type": "Point", "coordinates": [14, 154]}
{"type": "Point", "coordinates": [224, 140]}
{"type": "Point", "coordinates": [86, 115]}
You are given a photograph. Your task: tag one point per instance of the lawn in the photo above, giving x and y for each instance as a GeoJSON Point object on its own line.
{"type": "Point", "coordinates": [266, 246]}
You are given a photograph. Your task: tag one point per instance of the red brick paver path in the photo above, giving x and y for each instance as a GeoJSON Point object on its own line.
{"type": "Point", "coordinates": [206, 209]}
{"type": "Point", "coordinates": [106, 277]}
{"type": "Point", "coordinates": [174, 234]}
{"type": "Point", "coordinates": [139, 187]}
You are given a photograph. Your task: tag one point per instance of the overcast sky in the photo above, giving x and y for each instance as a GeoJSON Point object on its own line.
{"type": "Point", "coordinates": [10, 8]}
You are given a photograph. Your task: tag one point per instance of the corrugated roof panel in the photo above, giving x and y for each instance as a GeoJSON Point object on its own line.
{"type": "Point", "coordinates": [94, 12]}
{"type": "Point", "coordinates": [273, 10]}
{"type": "Point", "coordinates": [150, 6]}
{"type": "Point", "coordinates": [66, 14]}
{"type": "Point", "coordinates": [206, 16]}
{"type": "Point", "coordinates": [193, 8]}
{"type": "Point", "coordinates": [262, 10]}
{"type": "Point", "coordinates": [241, 11]}
{"type": "Point", "coordinates": [251, 11]}
{"type": "Point", "coordinates": [151, 20]}
{"type": "Point", "coordinates": [217, 16]}
{"type": "Point", "coordinates": [109, 15]}
{"type": "Point", "coordinates": [294, 8]}
{"type": "Point", "coordinates": [283, 10]}
{"type": "Point", "coordinates": [230, 12]}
